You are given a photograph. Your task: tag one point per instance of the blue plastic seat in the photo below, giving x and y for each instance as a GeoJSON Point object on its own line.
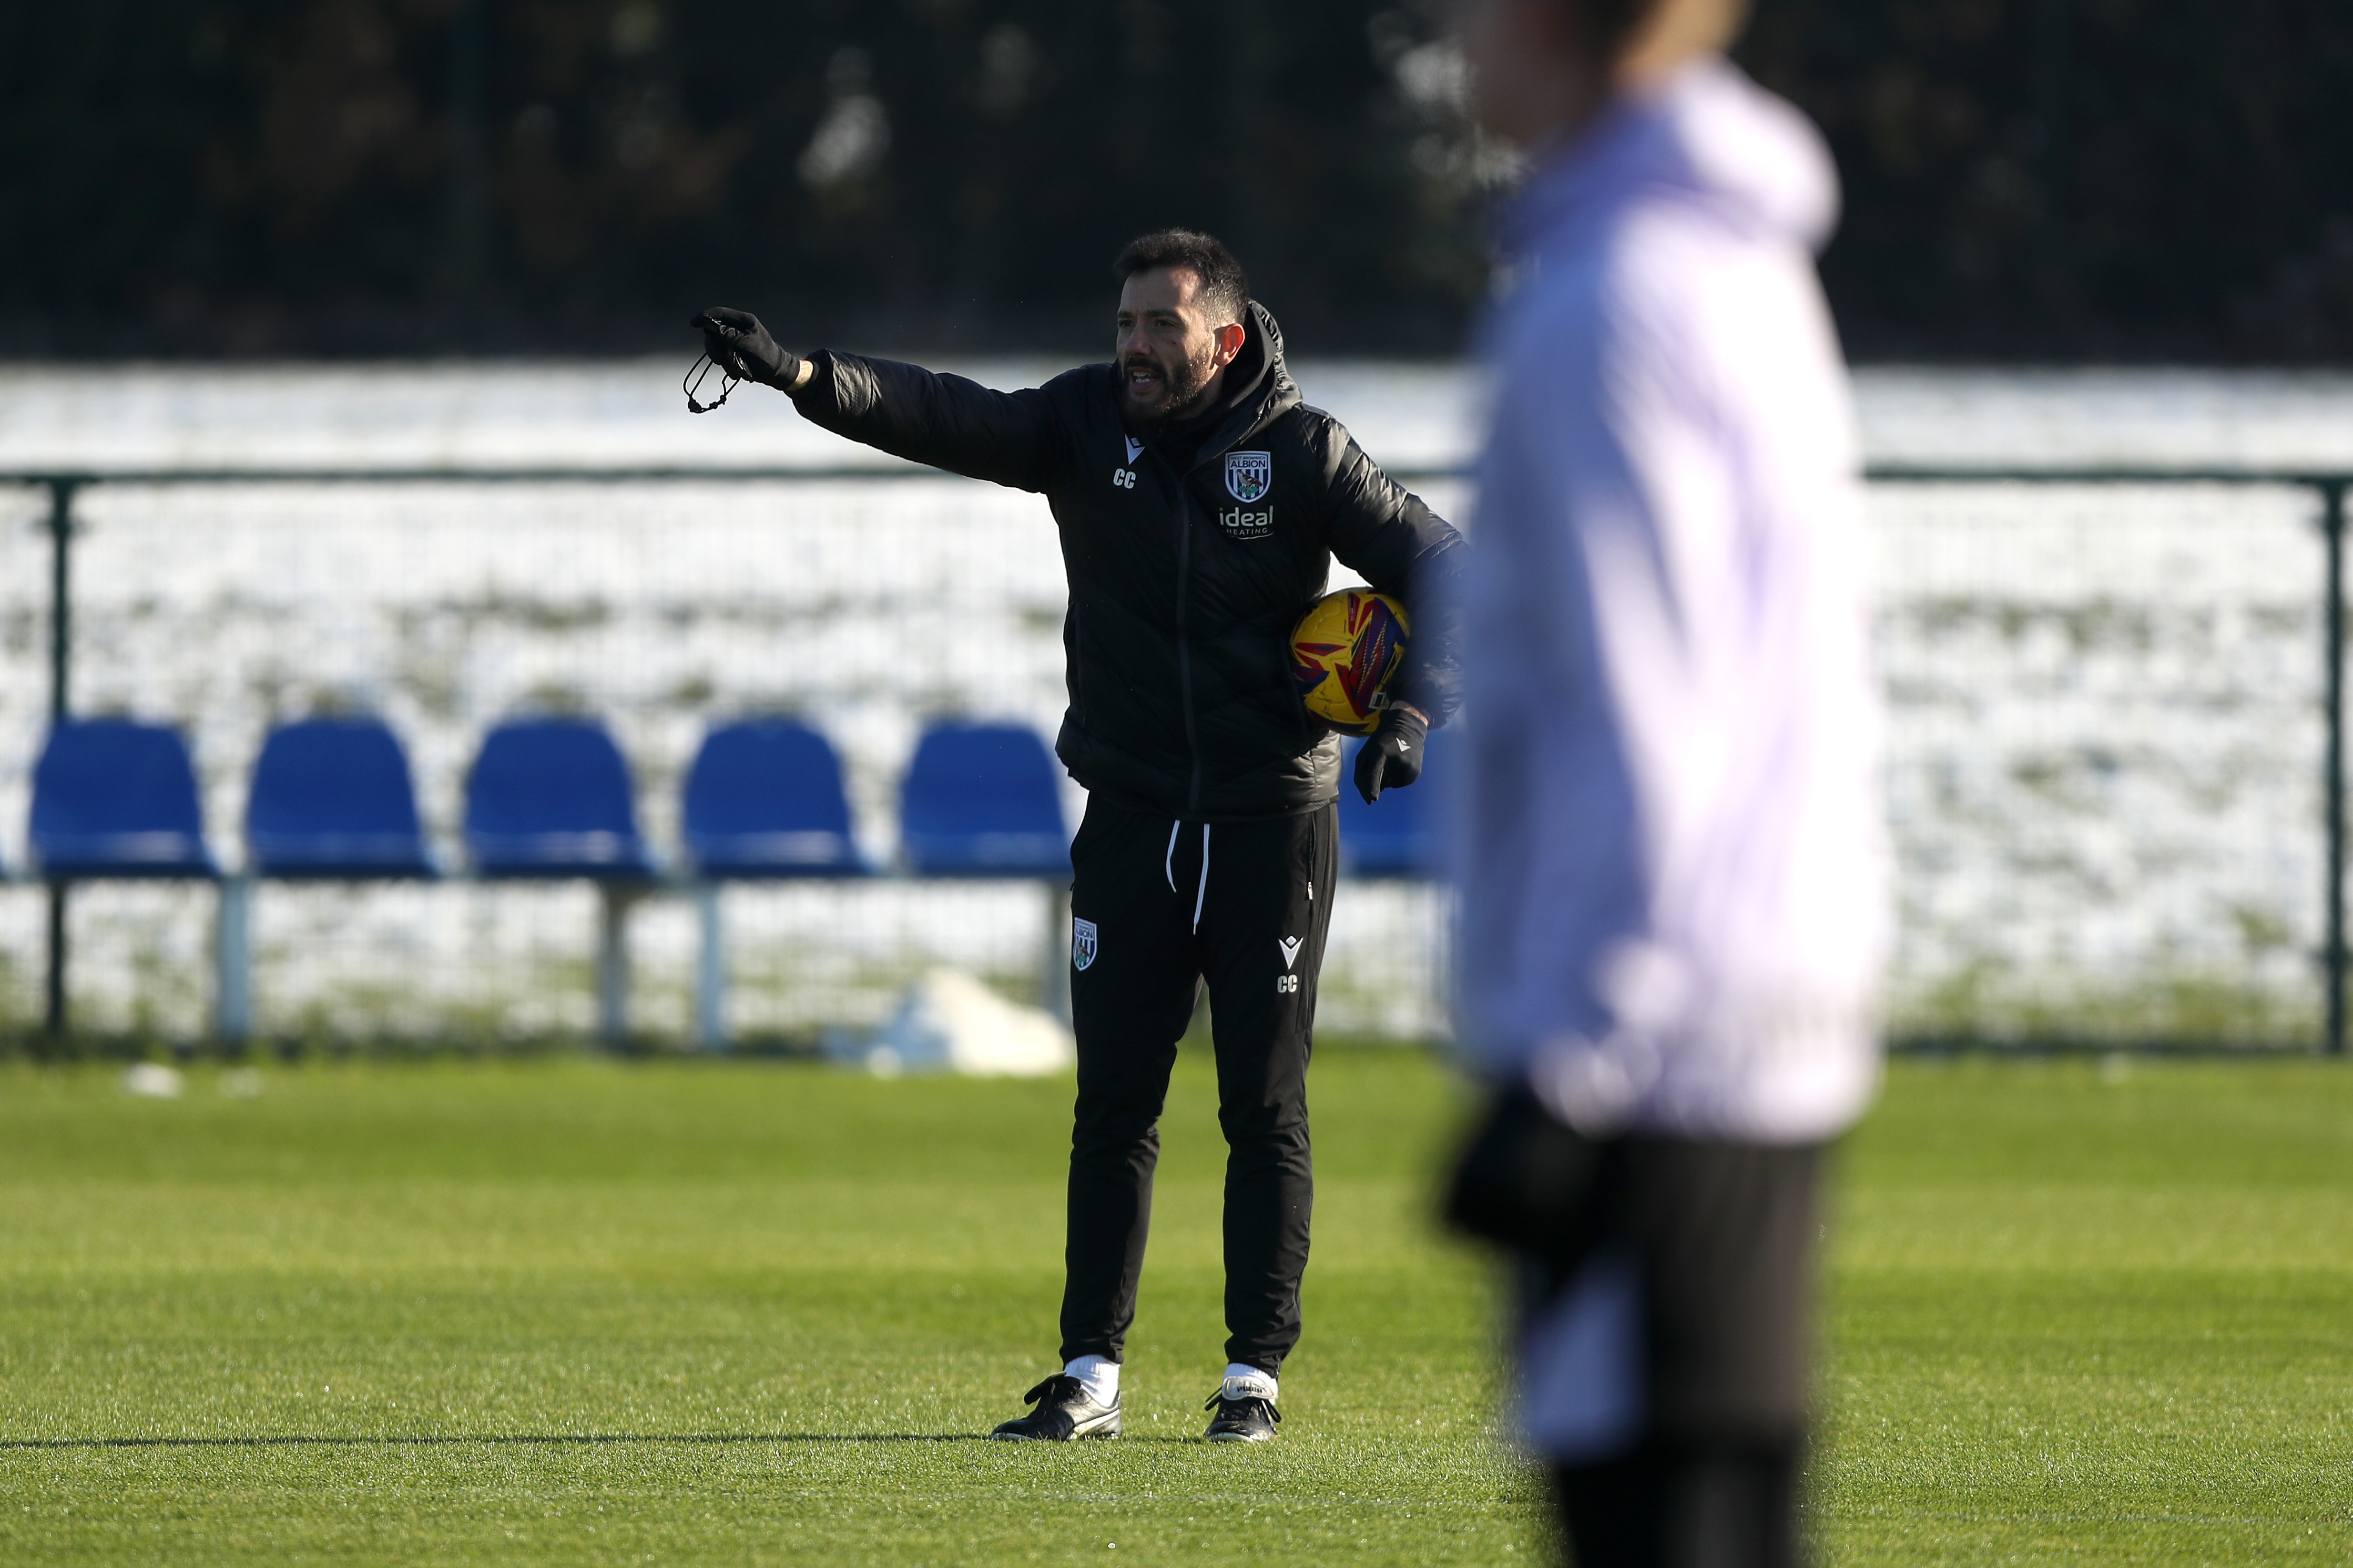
{"type": "Point", "coordinates": [764, 798]}
{"type": "Point", "coordinates": [1398, 836]}
{"type": "Point", "coordinates": [332, 799]}
{"type": "Point", "coordinates": [113, 798]}
{"type": "Point", "coordinates": [550, 799]}
{"type": "Point", "coordinates": [982, 800]}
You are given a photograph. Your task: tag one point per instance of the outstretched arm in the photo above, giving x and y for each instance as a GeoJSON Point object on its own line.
{"type": "Point", "coordinates": [945, 421]}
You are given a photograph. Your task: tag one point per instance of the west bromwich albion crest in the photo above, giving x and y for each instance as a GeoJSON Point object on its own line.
{"type": "Point", "coordinates": [1249, 475]}
{"type": "Point", "coordinates": [1082, 943]}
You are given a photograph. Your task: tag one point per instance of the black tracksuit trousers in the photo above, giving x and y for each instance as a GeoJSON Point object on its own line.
{"type": "Point", "coordinates": [1158, 907]}
{"type": "Point", "coordinates": [1723, 1235]}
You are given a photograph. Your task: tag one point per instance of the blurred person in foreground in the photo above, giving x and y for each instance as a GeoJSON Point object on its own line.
{"type": "Point", "coordinates": [1672, 867]}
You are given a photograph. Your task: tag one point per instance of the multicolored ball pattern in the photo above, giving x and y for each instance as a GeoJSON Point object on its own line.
{"type": "Point", "coordinates": [1344, 653]}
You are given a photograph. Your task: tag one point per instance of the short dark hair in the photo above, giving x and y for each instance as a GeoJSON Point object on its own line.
{"type": "Point", "coordinates": [1225, 292]}
{"type": "Point", "coordinates": [1610, 24]}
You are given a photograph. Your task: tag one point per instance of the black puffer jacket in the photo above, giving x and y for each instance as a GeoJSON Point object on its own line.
{"type": "Point", "coordinates": [1187, 575]}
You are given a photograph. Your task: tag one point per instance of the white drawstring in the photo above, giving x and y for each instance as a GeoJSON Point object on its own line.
{"type": "Point", "coordinates": [1168, 868]}
{"type": "Point", "coordinates": [1203, 893]}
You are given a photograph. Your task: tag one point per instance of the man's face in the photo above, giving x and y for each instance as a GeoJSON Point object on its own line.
{"type": "Point", "coordinates": [1168, 352]}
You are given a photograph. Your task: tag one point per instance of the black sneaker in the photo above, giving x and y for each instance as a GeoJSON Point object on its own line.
{"type": "Point", "coordinates": [1249, 1419]}
{"type": "Point", "coordinates": [1064, 1412]}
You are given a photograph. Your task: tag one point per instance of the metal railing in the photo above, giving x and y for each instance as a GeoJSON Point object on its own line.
{"type": "Point", "coordinates": [2329, 487]}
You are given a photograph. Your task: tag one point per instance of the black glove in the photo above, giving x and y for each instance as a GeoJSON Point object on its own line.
{"type": "Point", "coordinates": [740, 346]}
{"type": "Point", "coordinates": [1392, 759]}
{"type": "Point", "coordinates": [1521, 1180]}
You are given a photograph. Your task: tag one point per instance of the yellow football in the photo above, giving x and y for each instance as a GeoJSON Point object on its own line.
{"type": "Point", "coordinates": [1343, 655]}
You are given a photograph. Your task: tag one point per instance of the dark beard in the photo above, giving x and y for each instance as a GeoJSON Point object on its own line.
{"type": "Point", "coordinates": [1187, 381]}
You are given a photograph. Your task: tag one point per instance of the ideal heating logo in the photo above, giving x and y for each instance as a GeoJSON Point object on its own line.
{"type": "Point", "coordinates": [1241, 523]}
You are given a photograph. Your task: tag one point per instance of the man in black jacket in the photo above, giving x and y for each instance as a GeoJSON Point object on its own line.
{"type": "Point", "coordinates": [1200, 504]}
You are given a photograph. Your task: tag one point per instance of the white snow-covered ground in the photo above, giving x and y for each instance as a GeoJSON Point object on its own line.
{"type": "Point", "coordinates": [2104, 745]}
{"type": "Point", "coordinates": [1408, 415]}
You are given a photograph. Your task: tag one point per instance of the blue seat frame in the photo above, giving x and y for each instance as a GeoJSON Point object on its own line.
{"type": "Point", "coordinates": [762, 800]}
{"type": "Point", "coordinates": [984, 800]}
{"type": "Point", "coordinates": [333, 801]}
{"type": "Point", "coordinates": [548, 800]}
{"type": "Point", "coordinates": [1398, 836]}
{"type": "Point", "coordinates": [115, 799]}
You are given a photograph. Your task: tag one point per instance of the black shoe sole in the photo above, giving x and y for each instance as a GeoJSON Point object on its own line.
{"type": "Point", "coordinates": [1105, 1430]}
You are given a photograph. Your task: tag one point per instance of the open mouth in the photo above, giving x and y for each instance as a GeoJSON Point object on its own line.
{"type": "Point", "coordinates": [1145, 381]}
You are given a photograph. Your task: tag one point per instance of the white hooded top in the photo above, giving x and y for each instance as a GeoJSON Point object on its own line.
{"type": "Point", "coordinates": [1671, 846]}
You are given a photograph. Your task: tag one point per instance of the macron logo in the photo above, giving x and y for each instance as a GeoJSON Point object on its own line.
{"type": "Point", "coordinates": [1134, 448]}
{"type": "Point", "coordinates": [1290, 946]}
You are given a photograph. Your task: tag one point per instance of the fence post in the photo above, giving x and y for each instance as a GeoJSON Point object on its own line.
{"type": "Point", "coordinates": [2332, 523]}
{"type": "Point", "coordinates": [709, 968]}
{"type": "Point", "coordinates": [62, 494]}
{"type": "Point", "coordinates": [1054, 963]}
{"type": "Point", "coordinates": [613, 901]}
{"type": "Point", "coordinates": [233, 961]}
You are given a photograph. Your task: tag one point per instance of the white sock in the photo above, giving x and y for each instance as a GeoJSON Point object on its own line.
{"type": "Point", "coordinates": [1101, 1375]}
{"type": "Point", "coordinates": [1247, 1382]}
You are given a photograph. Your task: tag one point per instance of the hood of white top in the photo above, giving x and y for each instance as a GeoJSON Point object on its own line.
{"type": "Point", "coordinates": [1705, 134]}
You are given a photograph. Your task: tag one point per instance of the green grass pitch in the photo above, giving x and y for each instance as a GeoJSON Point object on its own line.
{"type": "Point", "coordinates": [588, 1311]}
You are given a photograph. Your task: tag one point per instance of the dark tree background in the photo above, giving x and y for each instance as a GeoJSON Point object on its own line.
{"type": "Point", "coordinates": [2026, 179]}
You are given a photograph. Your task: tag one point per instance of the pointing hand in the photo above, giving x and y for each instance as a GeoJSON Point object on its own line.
{"type": "Point", "coordinates": [739, 346]}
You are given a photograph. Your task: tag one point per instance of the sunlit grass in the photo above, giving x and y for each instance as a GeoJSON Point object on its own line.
{"type": "Point", "coordinates": [558, 1310]}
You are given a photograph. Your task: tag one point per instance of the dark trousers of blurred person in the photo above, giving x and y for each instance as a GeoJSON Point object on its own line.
{"type": "Point", "coordinates": [1663, 1355]}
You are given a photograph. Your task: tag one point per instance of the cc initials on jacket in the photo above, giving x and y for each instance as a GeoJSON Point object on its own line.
{"type": "Point", "coordinates": [1182, 593]}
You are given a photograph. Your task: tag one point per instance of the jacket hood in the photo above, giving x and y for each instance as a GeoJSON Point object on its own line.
{"type": "Point", "coordinates": [1705, 134]}
{"type": "Point", "coordinates": [1262, 387]}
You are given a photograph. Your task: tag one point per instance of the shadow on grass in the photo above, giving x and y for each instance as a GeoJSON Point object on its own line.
{"type": "Point", "coordinates": [513, 1439]}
